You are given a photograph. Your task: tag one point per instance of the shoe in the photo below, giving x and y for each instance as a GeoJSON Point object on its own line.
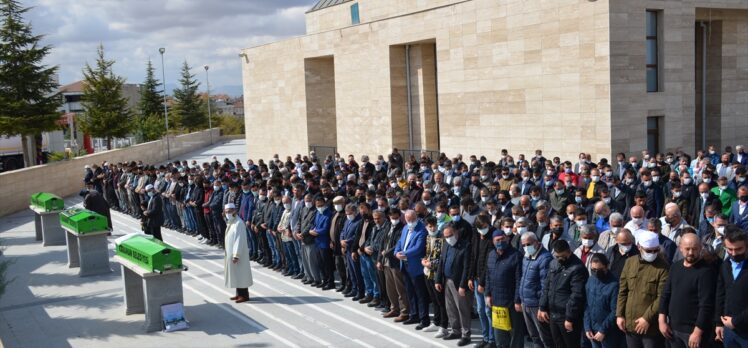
{"type": "Point", "coordinates": [422, 326]}
{"type": "Point", "coordinates": [319, 285]}
{"type": "Point", "coordinates": [463, 342]}
{"type": "Point", "coordinates": [482, 344]}
{"type": "Point", "coordinates": [441, 333]}
{"type": "Point", "coordinates": [374, 303]}
{"type": "Point", "coordinates": [412, 321]}
{"type": "Point", "coordinates": [365, 300]}
{"type": "Point", "coordinates": [452, 336]}
{"type": "Point", "coordinates": [401, 318]}
{"type": "Point", "coordinates": [285, 273]}
{"type": "Point", "coordinates": [391, 314]}
{"type": "Point", "coordinates": [329, 286]}
{"type": "Point", "coordinates": [431, 328]}
{"type": "Point", "coordinates": [339, 288]}
{"type": "Point", "coordinates": [385, 309]}
{"type": "Point", "coordinates": [306, 281]}
{"type": "Point", "coordinates": [349, 294]}
{"type": "Point", "coordinates": [242, 299]}
{"type": "Point", "coordinates": [357, 298]}
{"type": "Point", "coordinates": [299, 276]}
{"type": "Point", "coordinates": [234, 298]}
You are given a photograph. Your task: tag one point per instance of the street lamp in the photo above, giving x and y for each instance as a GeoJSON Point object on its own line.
{"type": "Point", "coordinates": [210, 122]}
{"type": "Point", "coordinates": [166, 115]}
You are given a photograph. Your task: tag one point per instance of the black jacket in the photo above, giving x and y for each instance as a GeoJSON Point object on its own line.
{"type": "Point", "coordinates": [563, 294]}
{"type": "Point", "coordinates": [460, 263]}
{"type": "Point", "coordinates": [481, 248]}
{"type": "Point", "coordinates": [731, 297]}
{"type": "Point", "coordinates": [95, 202]}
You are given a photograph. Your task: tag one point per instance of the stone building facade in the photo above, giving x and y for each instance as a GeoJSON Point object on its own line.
{"type": "Point", "coordinates": [476, 76]}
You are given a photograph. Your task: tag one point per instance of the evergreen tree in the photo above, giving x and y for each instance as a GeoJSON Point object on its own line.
{"type": "Point", "coordinates": [28, 98]}
{"type": "Point", "coordinates": [106, 113]}
{"type": "Point", "coordinates": [150, 118]}
{"type": "Point", "coordinates": [188, 106]}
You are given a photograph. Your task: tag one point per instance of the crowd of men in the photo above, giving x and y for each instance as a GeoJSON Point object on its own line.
{"type": "Point", "coordinates": [641, 252]}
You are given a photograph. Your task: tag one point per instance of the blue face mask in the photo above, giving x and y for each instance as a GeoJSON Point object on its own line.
{"type": "Point", "coordinates": [456, 218]}
{"type": "Point", "coordinates": [501, 246]}
{"type": "Point", "coordinates": [710, 219]}
{"type": "Point", "coordinates": [246, 191]}
{"type": "Point", "coordinates": [225, 187]}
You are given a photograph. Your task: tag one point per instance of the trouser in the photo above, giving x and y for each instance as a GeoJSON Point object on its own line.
{"type": "Point", "coordinates": [263, 246]}
{"type": "Point", "coordinates": [418, 296]}
{"type": "Point", "coordinates": [385, 299]}
{"type": "Point", "coordinates": [437, 301]}
{"type": "Point", "coordinates": [354, 274]}
{"type": "Point", "coordinates": [484, 314]}
{"type": "Point", "coordinates": [342, 270]}
{"type": "Point", "coordinates": [208, 233]}
{"type": "Point", "coordinates": [155, 231]}
{"type": "Point", "coordinates": [642, 341]}
{"type": "Point", "coordinates": [290, 251]}
{"type": "Point", "coordinates": [396, 290]}
{"type": "Point", "coordinates": [312, 262]}
{"type": "Point", "coordinates": [275, 255]}
{"type": "Point", "coordinates": [179, 207]}
{"type": "Point", "coordinates": [540, 333]}
{"type": "Point", "coordinates": [279, 245]}
{"type": "Point", "coordinates": [219, 227]}
{"type": "Point", "coordinates": [299, 258]}
{"type": "Point", "coordinates": [242, 292]}
{"type": "Point", "coordinates": [251, 241]}
{"type": "Point", "coordinates": [458, 308]}
{"type": "Point", "coordinates": [189, 218]}
{"type": "Point", "coordinates": [615, 339]}
{"type": "Point", "coordinates": [369, 272]}
{"type": "Point", "coordinates": [122, 196]}
{"type": "Point", "coordinates": [563, 338]}
{"type": "Point", "coordinates": [327, 267]}
{"type": "Point", "coordinates": [734, 339]}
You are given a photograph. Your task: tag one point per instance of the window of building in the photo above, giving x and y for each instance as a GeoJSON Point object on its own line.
{"type": "Point", "coordinates": [354, 14]}
{"type": "Point", "coordinates": [655, 126]}
{"type": "Point", "coordinates": [653, 50]}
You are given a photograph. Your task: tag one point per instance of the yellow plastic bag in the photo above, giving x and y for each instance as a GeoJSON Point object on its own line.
{"type": "Point", "coordinates": [500, 318]}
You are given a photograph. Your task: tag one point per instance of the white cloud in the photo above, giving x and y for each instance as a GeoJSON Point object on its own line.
{"type": "Point", "coordinates": [201, 32]}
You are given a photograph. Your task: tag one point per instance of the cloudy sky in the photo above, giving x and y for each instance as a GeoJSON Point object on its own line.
{"type": "Point", "coordinates": [199, 31]}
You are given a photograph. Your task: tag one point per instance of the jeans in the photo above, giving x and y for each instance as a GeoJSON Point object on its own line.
{"type": "Point", "coordinates": [484, 314]}
{"type": "Point", "coordinates": [273, 248]}
{"type": "Point", "coordinates": [299, 258]}
{"type": "Point", "coordinates": [251, 242]}
{"type": "Point", "coordinates": [369, 272]}
{"type": "Point", "coordinates": [733, 339]}
{"type": "Point", "coordinates": [354, 274]}
{"type": "Point", "coordinates": [291, 259]}
{"type": "Point", "coordinates": [539, 332]}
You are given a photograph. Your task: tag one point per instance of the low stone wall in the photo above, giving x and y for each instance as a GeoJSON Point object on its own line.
{"type": "Point", "coordinates": [65, 178]}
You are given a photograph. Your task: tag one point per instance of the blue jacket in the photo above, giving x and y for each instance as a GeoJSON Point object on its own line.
{"type": "Point", "coordinates": [502, 276]}
{"type": "Point", "coordinates": [247, 206]}
{"type": "Point", "coordinates": [602, 296]}
{"type": "Point", "coordinates": [736, 218]}
{"type": "Point", "coordinates": [350, 228]}
{"type": "Point", "coordinates": [532, 274]}
{"type": "Point", "coordinates": [416, 249]}
{"type": "Point", "coordinates": [322, 223]}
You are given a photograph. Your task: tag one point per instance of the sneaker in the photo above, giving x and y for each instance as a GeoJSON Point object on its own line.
{"type": "Point", "coordinates": [441, 333]}
{"type": "Point", "coordinates": [431, 328]}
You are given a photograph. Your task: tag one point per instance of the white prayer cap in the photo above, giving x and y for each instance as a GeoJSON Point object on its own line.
{"type": "Point", "coordinates": [87, 166]}
{"type": "Point", "coordinates": [149, 187]}
{"type": "Point", "coordinates": [230, 206]}
{"type": "Point", "coordinates": [648, 240]}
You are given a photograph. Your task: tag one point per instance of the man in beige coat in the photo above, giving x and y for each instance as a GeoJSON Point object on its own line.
{"type": "Point", "coordinates": [237, 272]}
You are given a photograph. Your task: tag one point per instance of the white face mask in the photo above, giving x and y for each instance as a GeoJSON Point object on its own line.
{"type": "Point", "coordinates": [394, 222]}
{"type": "Point", "coordinates": [229, 217]}
{"type": "Point", "coordinates": [588, 242]}
{"type": "Point", "coordinates": [649, 257]}
{"type": "Point", "coordinates": [507, 231]}
{"type": "Point", "coordinates": [721, 230]}
{"type": "Point", "coordinates": [432, 231]}
{"type": "Point", "coordinates": [338, 207]}
{"type": "Point", "coordinates": [581, 222]}
{"type": "Point", "coordinates": [521, 230]}
{"type": "Point", "coordinates": [308, 204]}
{"type": "Point", "coordinates": [483, 231]}
{"type": "Point", "coordinates": [452, 240]}
{"type": "Point", "coordinates": [624, 248]}
{"type": "Point", "coordinates": [287, 206]}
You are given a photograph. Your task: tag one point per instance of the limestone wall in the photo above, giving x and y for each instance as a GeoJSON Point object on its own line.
{"type": "Point", "coordinates": [65, 178]}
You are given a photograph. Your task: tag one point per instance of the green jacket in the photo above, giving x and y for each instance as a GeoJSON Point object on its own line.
{"type": "Point", "coordinates": [639, 293]}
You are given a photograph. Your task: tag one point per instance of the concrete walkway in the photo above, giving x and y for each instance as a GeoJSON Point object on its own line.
{"type": "Point", "coordinates": [48, 305]}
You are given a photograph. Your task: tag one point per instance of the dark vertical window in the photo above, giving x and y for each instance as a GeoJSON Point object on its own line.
{"type": "Point", "coordinates": [654, 134]}
{"type": "Point", "coordinates": [653, 59]}
{"type": "Point", "coordinates": [354, 14]}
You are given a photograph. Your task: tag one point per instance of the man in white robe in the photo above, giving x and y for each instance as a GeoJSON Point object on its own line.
{"type": "Point", "coordinates": [237, 272]}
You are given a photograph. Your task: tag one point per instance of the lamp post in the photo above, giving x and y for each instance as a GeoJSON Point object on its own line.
{"type": "Point", "coordinates": [210, 121]}
{"type": "Point", "coordinates": [166, 114]}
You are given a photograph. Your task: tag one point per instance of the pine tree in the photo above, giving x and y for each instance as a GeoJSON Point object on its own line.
{"type": "Point", "coordinates": [188, 106]}
{"type": "Point", "coordinates": [28, 101]}
{"type": "Point", "coordinates": [106, 113]}
{"type": "Point", "coordinates": [150, 121]}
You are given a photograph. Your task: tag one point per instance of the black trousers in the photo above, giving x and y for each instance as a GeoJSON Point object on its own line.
{"type": "Point", "coordinates": [563, 338]}
{"type": "Point", "coordinates": [327, 266]}
{"type": "Point", "coordinates": [383, 287]}
{"type": "Point", "coordinates": [243, 292]}
{"type": "Point", "coordinates": [155, 232]}
{"type": "Point", "coordinates": [418, 296]}
{"type": "Point", "coordinates": [263, 246]}
{"type": "Point", "coordinates": [340, 268]}
{"type": "Point", "coordinates": [440, 307]}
